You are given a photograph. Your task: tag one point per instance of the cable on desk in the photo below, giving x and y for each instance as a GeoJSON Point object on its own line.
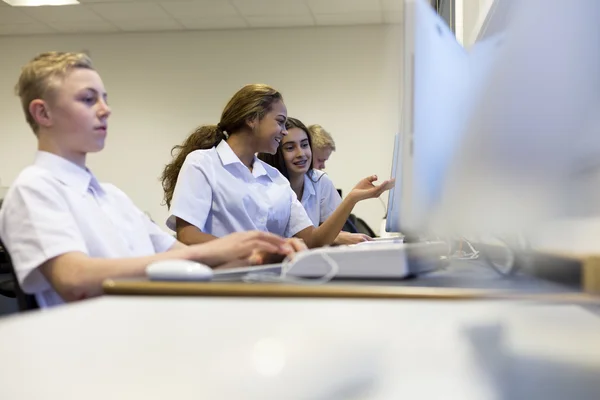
{"type": "Point", "coordinates": [288, 265]}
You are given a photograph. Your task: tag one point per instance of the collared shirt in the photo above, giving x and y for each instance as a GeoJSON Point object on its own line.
{"type": "Point", "coordinates": [319, 197]}
{"type": "Point", "coordinates": [56, 207]}
{"type": "Point", "coordinates": [219, 195]}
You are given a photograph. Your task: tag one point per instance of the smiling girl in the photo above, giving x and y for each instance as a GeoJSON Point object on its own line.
{"type": "Point", "coordinates": [313, 188]}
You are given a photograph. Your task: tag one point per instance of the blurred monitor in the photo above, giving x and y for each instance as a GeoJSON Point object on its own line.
{"type": "Point", "coordinates": [435, 69]}
{"type": "Point", "coordinates": [502, 140]}
{"type": "Point", "coordinates": [530, 156]}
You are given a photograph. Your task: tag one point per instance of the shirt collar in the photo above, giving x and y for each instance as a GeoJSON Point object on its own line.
{"type": "Point", "coordinates": [309, 188]}
{"type": "Point", "coordinates": [67, 172]}
{"type": "Point", "coordinates": [228, 157]}
{"type": "Point", "coordinates": [226, 154]}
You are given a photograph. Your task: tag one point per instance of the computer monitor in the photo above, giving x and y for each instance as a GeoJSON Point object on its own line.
{"type": "Point", "coordinates": [393, 206]}
{"type": "Point", "coordinates": [434, 86]}
{"type": "Point", "coordinates": [531, 151]}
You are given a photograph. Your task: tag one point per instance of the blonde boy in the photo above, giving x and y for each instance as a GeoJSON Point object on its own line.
{"type": "Point", "coordinates": [322, 145]}
{"type": "Point", "coordinates": [65, 231]}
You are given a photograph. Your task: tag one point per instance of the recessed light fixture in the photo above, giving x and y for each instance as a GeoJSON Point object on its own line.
{"type": "Point", "coordinates": [36, 3]}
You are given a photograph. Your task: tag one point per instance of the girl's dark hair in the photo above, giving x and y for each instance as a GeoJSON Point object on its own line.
{"type": "Point", "coordinates": [276, 160]}
{"type": "Point", "coordinates": [250, 102]}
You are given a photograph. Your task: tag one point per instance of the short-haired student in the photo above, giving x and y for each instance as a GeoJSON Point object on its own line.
{"type": "Point", "coordinates": [65, 231]}
{"type": "Point", "coordinates": [322, 145]}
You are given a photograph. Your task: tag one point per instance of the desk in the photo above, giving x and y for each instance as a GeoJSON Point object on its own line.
{"type": "Point", "coordinates": [120, 347]}
{"type": "Point", "coordinates": [582, 269]}
{"type": "Point", "coordinates": [462, 280]}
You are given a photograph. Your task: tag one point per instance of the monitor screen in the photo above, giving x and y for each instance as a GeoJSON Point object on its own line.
{"type": "Point", "coordinates": [530, 151]}
{"type": "Point", "coordinates": [435, 70]}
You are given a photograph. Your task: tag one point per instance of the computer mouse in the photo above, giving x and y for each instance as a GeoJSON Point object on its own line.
{"type": "Point", "coordinates": [178, 270]}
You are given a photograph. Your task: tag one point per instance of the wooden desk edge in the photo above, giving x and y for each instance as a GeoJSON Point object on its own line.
{"type": "Point", "coordinates": [591, 275]}
{"type": "Point", "coordinates": [590, 265]}
{"type": "Point", "coordinates": [222, 289]}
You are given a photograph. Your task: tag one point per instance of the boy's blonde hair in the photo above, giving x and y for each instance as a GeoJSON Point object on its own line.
{"type": "Point", "coordinates": [42, 74]}
{"type": "Point", "coordinates": [321, 139]}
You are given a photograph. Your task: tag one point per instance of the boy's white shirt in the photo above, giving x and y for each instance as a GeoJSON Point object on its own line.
{"type": "Point", "coordinates": [55, 207]}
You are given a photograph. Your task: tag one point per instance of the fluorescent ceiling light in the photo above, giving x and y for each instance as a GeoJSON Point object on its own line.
{"type": "Point", "coordinates": [35, 3]}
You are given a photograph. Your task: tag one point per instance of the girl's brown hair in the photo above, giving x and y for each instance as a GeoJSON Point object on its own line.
{"type": "Point", "coordinates": [250, 102]}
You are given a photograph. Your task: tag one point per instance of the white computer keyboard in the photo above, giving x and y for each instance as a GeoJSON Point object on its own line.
{"type": "Point", "coordinates": [382, 240]}
{"type": "Point", "coordinates": [381, 261]}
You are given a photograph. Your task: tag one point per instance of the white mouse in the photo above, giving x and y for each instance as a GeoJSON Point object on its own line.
{"type": "Point", "coordinates": [178, 270]}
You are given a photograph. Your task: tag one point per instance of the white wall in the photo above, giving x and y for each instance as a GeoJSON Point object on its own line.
{"type": "Point", "coordinates": [162, 85]}
{"type": "Point", "coordinates": [473, 15]}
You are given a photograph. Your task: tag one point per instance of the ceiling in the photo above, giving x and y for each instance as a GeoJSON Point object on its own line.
{"type": "Point", "coordinates": [94, 16]}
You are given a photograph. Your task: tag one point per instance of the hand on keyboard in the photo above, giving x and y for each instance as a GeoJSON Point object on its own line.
{"type": "Point", "coordinates": [346, 238]}
{"type": "Point", "coordinates": [292, 246]}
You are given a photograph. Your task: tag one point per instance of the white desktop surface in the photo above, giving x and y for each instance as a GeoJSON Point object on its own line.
{"type": "Point", "coordinates": [232, 348]}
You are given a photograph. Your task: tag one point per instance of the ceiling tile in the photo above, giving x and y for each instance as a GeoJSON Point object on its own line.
{"type": "Point", "coordinates": [161, 15]}
{"type": "Point", "coordinates": [214, 23]}
{"type": "Point", "coordinates": [271, 7]}
{"type": "Point", "coordinates": [163, 24]}
{"type": "Point", "coordinates": [130, 11]}
{"type": "Point", "coordinates": [393, 5]}
{"type": "Point", "coordinates": [393, 17]}
{"type": "Point", "coordinates": [25, 29]}
{"type": "Point", "coordinates": [349, 18]}
{"type": "Point", "coordinates": [86, 27]}
{"type": "Point", "coordinates": [281, 21]}
{"type": "Point", "coordinates": [63, 13]}
{"type": "Point", "coordinates": [343, 6]}
{"type": "Point", "coordinates": [117, 1]}
{"type": "Point", "coordinates": [12, 15]}
{"type": "Point", "coordinates": [199, 9]}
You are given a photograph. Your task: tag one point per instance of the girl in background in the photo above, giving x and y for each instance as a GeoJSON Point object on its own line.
{"type": "Point", "coordinates": [313, 188]}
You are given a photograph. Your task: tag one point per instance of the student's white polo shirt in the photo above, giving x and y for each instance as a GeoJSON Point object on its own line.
{"type": "Point", "coordinates": [219, 195]}
{"type": "Point", "coordinates": [319, 197]}
{"type": "Point", "coordinates": [55, 207]}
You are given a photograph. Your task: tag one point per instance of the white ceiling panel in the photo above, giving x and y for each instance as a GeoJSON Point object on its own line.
{"type": "Point", "coordinates": [161, 15]}
{"type": "Point", "coordinates": [271, 7]}
{"type": "Point", "coordinates": [25, 29]}
{"type": "Point", "coordinates": [130, 11]}
{"type": "Point", "coordinates": [12, 15]}
{"type": "Point", "coordinates": [343, 6]}
{"type": "Point", "coordinates": [147, 25]}
{"type": "Point", "coordinates": [199, 9]}
{"type": "Point", "coordinates": [215, 23]}
{"type": "Point", "coordinates": [118, 1]}
{"type": "Point", "coordinates": [83, 27]}
{"type": "Point", "coordinates": [74, 13]}
{"type": "Point", "coordinates": [349, 19]}
{"type": "Point", "coordinates": [281, 21]}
